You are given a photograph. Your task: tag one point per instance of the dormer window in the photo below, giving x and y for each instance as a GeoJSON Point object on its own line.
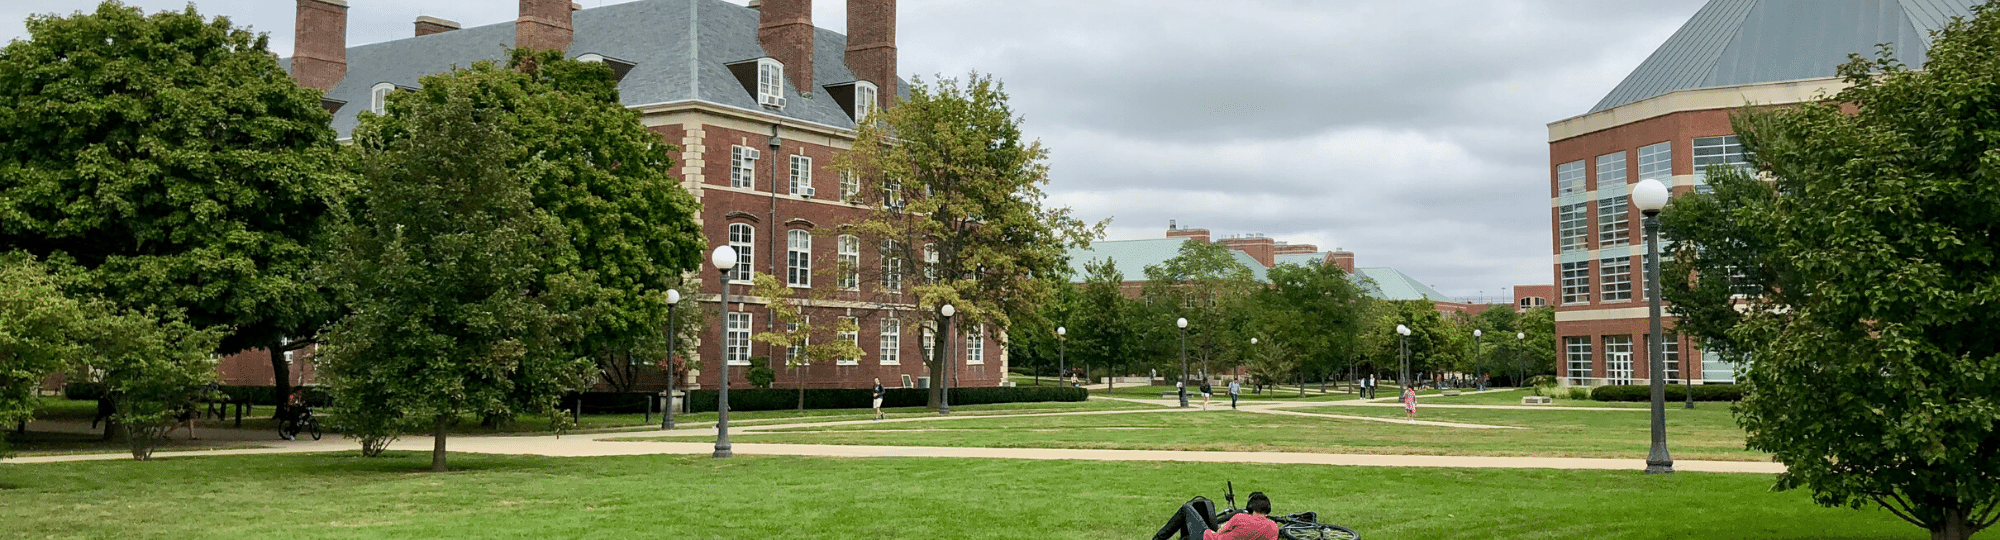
{"type": "Point", "coordinates": [378, 97]}
{"type": "Point", "coordinates": [618, 67]}
{"type": "Point", "coordinates": [864, 101]}
{"type": "Point", "coordinates": [770, 83]}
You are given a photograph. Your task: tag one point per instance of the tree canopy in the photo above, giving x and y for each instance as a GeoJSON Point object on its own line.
{"type": "Point", "coordinates": [1864, 250]}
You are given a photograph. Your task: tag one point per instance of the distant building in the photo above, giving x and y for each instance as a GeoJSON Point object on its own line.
{"type": "Point", "coordinates": [1528, 297]}
{"type": "Point", "coordinates": [1669, 121]}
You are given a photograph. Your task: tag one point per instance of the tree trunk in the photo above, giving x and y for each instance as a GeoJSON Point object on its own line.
{"type": "Point", "coordinates": [802, 387]}
{"type": "Point", "coordinates": [437, 446]}
{"type": "Point", "coordinates": [937, 371]}
{"type": "Point", "coordinates": [280, 371]}
{"type": "Point", "coordinates": [1953, 525]}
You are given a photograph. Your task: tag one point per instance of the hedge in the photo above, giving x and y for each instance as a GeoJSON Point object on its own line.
{"type": "Point", "coordinates": [774, 399]}
{"type": "Point", "coordinates": [1675, 392]}
{"type": "Point", "coordinates": [255, 395]}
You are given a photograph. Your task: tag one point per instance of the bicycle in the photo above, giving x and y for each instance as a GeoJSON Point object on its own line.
{"type": "Point", "coordinates": [289, 429]}
{"type": "Point", "coordinates": [1297, 526]}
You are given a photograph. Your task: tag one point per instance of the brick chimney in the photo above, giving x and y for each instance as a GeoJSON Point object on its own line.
{"type": "Point", "coordinates": [1259, 247]}
{"type": "Point", "coordinates": [1344, 259]}
{"type": "Point", "coordinates": [871, 46]}
{"type": "Point", "coordinates": [786, 31]}
{"type": "Point", "coordinates": [319, 50]}
{"type": "Point", "coordinates": [433, 25]}
{"type": "Point", "coordinates": [1199, 235]}
{"type": "Point", "coordinates": [544, 24]}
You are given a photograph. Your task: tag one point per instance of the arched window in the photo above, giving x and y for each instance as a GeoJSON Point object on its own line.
{"type": "Point", "coordinates": [742, 238]}
{"type": "Point", "coordinates": [798, 258]}
{"type": "Point", "coordinates": [378, 98]}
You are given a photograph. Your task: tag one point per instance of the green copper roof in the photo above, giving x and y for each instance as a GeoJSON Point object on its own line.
{"type": "Point", "coordinates": [1393, 284]}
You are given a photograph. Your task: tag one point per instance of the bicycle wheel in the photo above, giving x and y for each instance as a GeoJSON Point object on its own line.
{"type": "Point", "coordinates": [287, 429]}
{"type": "Point", "coordinates": [1316, 531]}
{"type": "Point", "coordinates": [312, 424]}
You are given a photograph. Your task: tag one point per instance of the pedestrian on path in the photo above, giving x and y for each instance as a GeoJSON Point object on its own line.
{"type": "Point", "coordinates": [1235, 389]}
{"type": "Point", "coordinates": [1410, 403]}
{"type": "Point", "coordinates": [1206, 390]}
{"type": "Point", "coordinates": [879, 392]}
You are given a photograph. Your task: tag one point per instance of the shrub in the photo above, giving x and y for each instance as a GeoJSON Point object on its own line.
{"type": "Point", "coordinates": [762, 399]}
{"type": "Point", "coordinates": [1675, 392]}
{"type": "Point", "coordinates": [87, 391]}
{"type": "Point", "coordinates": [1579, 393]}
{"type": "Point", "coordinates": [760, 374]}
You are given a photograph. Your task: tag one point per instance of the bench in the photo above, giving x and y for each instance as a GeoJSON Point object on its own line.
{"type": "Point", "coordinates": [1536, 400]}
{"type": "Point", "coordinates": [1452, 392]}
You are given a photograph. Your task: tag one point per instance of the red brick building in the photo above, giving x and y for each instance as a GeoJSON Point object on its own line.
{"type": "Point", "coordinates": [758, 101]}
{"type": "Point", "coordinates": [1669, 121]}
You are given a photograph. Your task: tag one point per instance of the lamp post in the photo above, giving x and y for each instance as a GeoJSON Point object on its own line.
{"type": "Point", "coordinates": [1650, 196]}
{"type": "Point", "coordinates": [724, 259]}
{"type": "Point", "coordinates": [1477, 361]}
{"type": "Point", "coordinates": [1403, 338]}
{"type": "Point", "coordinates": [1182, 323]}
{"type": "Point", "coordinates": [673, 301]}
{"type": "Point", "coordinates": [944, 401]}
{"type": "Point", "coordinates": [1520, 370]}
{"type": "Point", "coordinates": [1062, 353]}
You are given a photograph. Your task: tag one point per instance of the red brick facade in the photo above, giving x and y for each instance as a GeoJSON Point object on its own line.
{"type": "Point", "coordinates": [320, 58]}
{"type": "Point", "coordinates": [871, 46]}
{"type": "Point", "coordinates": [785, 28]}
{"type": "Point", "coordinates": [544, 24]}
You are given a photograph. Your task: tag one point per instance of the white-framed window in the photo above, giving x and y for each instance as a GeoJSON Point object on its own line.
{"type": "Point", "coordinates": [850, 336]}
{"type": "Point", "coordinates": [798, 348]}
{"type": "Point", "coordinates": [927, 339]}
{"type": "Point", "coordinates": [1576, 282]}
{"type": "Point", "coordinates": [1614, 226]}
{"type": "Point", "coordinates": [1610, 170]}
{"type": "Point", "coordinates": [850, 186]}
{"type": "Point", "coordinates": [1725, 151]}
{"type": "Point", "coordinates": [864, 101]}
{"type": "Point", "coordinates": [849, 253]}
{"type": "Point", "coordinates": [290, 356]}
{"type": "Point", "coordinates": [1576, 350]}
{"type": "Point", "coordinates": [930, 263]}
{"type": "Point", "coordinates": [798, 258]}
{"type": "Point", "coordinates": [1656, 162]}
{"type": "Point", "coordinates": [743, 167]}
{"type": "Point", "coordinates": [1617, 278]}
{"type": "Point", "coordinates": [1618, 359]}
{"type": "Point", "coordinates": [1574, 227]}
{"type": "Point", "coordinates": [802, 176]}
{"type": "Point", "coordinates": [892, 266]}
{"type": "Point", "coordinates": [892, 342]}
{"type": "Point", "coordinates": [743, 239]}
{"type": "Point", "coordinates": [1569, 178]}
{"type": "Point", "coordinates": [738, 340]}
{"type": "Point", "coordinates": [378, 97]}
{"type": "Point", "coordinates": [975, 344]}
{"type": "Point", "coordinates": [770, 83]}
{"type": "Point", "coordinates": [892, 195]}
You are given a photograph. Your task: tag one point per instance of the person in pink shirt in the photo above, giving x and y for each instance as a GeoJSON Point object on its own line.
{"type": "Point", "coordinates": [1410, 403]}
{"type": "Point", "coordinates": [1196, 519]}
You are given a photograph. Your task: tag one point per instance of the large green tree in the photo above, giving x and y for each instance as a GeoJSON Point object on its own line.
{"type": "Point", "coordinates": [1318, 311]}
{"type": "Point", "coordinates": [1208, 286]}
{"type": "Point", "coordinates": [39, 325]}
{"type": "Point", "coordinates": [170, 157]}
{"type": "Point", "coordinates": [1855, 275]}
{"type": "Point", "coordinates": [449, 266]}
{"type": "Point", "coordinates": [1103, 325]}
{"type": "Point", "coordinates": [957, 191]}
{"type": "Point", "coordinates": [1436, 342]}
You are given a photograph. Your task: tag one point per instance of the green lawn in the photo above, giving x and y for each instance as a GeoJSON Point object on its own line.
{"type": "Point", "coordinates": [1706, 434]}
{"type": "Point", "coordinates": [1222, 394]}
{"type": "Point", "coordinates": [1513, 397]}
{"type": "Point", "coordinates": [490, 496]}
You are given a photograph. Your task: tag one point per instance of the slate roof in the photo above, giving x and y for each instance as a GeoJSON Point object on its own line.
{"type": "Point", "coordinates": [680, 48]}
{"type": "Point", "coordinates": [1739, 42]}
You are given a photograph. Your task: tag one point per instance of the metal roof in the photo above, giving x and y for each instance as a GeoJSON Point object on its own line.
{"type": "Point", "coordinates": [1738, 42]}
{"type": "Point", "coordinates": [1393, 284]}
{"type": "Point", "coordinates": [1301, 259]}
{"type": "Point", "coordinates": [680, 48]}
{"type": "Point", "coordinates": [1133, 256]}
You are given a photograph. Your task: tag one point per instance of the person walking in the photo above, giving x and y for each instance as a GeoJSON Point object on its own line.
{"type": "Point", "coordinates": [1410, 403]}
{"type": "Point", "coordinates": [1206, 390]}
{"type": "Point", "coordinates": [1235, 389]}
{"type": "Point", "coordinates": [877, 397]}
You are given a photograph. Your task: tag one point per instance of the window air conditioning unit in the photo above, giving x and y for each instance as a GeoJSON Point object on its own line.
{"type": "Point", "coordinates": [811, 191]}
{"type": "Point", "coordinates": [772, 100]}
{"type": "Point", "coordinates": [923, 382]}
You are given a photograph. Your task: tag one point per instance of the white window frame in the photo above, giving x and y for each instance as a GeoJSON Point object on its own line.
{"type": "Point", "coordinates": [1576, 350]}
{"type": "Point", "coordinates": [927, 340]}
{"type": "Point", "coordinates": [1576, 283]}
{"type": "Point", "coordinates": [865, 101]}
{"type": "Point", "coordinates": [1615, 279]}
{"type": "Point", "coordinates": [930, 263]}
{"type": "Point", "coordinates": [1614, 222]}
{"type": "Point", "coordinates": [802, 176]}
{"type": "Point", "coordinates": [737, 340]}
{"type": "Point", "coordinates": [1611, 170]}
{"type": "Point", "coordinates": [1573, 226]}
{"type": "Point", "coordinates": [1726, 150]}
{"type": "Point", "coordinates": [798, 258]}
{"type": "Point", "coordinates": [1569, 178]}
{"type": "Point", "coordinates": [853, 337]}
{"type": "Point", "coordinates": [975, 345]}
{"type": "Point", "coordinates": [743, 239]}
{"type": "Point", "coordinates": [892, 267]}
{"type": "Point", "coordinates": [1656, 162]}
{"type": "Point", "coordinates": [892, 195]}
{"type": "Point", "coordinates": [891, 353]}
{"type": "Point", "coordinates": [798, 347]}
{"type": "Point", "coordinates": [1618, 359]}
{"type": "Point", "coordinates": [770, 83]}
{"type": "Point", "coordinates": [378, 98]}
{"type": "Point", "coordinates": [743, 167]}
{"type": "Point", "coordinates": [850, 185]}
{"type": "Point", "coordinates": [849, 259]}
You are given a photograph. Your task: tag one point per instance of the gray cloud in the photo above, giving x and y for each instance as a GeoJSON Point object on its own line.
{"type": "Point", "coordinates": [1409, 131]}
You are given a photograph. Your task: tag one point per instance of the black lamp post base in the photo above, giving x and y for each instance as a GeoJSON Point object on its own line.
{"type": "Point", "coordinates": [1654, 467]}
{"type": "Point", "coordinates": [722, 452]}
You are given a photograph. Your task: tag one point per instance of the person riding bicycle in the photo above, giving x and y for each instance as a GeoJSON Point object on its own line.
{"type": "Point", "coordinates": [292, 414]}
{"type": "Point", "coordinates": [1197, 519]}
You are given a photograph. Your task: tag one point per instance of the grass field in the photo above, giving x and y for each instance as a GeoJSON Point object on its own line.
{"type": "Point", "coordinates": [489, 496]}
{"type": "Point", "coordinates": [1704, 434]}
{"type": "Point", "coordinates": [1513, 397]}
{"type": "Point", "coordinates": [1290, 393]}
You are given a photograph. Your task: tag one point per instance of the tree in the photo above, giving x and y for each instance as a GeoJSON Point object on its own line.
{"type": "Point", "coordinates": [446, 260]}
{"type": "Point", "coordinates": [958, 196]}
{"type": "Point", "coordinates": [39, 325]}
{"type": "Point", "coordinates": [171, 158]}
{"type": "Point", "coordinates": [1104, 324]}
{"type": "Point", "coordinates": [1863, 252]}
{"type": "Point", "coordinates": [798, 332]}
{"type": "Point", "coordinates": [1435, 341]}
{"type": "Point", "coordinates": [156, 365]}
{"type": "Point", "coordinates": [1318, 311]}
{"type": "Point", "coordinates": [1207, 285]}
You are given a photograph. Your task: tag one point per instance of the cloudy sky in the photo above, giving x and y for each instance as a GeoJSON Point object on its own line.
{"type": "Point", "coordinates": [1411, 132]}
